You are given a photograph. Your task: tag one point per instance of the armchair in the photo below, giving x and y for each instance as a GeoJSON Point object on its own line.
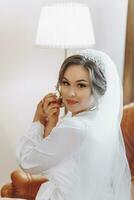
{"type": "Point", "coordinates": [127, 126]}
{"type": "Point", "coordinates": [24, 185]}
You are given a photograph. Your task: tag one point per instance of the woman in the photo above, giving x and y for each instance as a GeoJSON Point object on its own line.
{"type": "Point", "coordinates": [81, 155]}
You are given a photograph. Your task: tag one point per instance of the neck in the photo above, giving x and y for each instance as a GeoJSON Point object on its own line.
{"type": "Point", "coordinates": [84, 110]}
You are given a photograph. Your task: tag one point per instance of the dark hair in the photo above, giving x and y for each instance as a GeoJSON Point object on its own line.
{"type": "Point", "coordinates": [98, 79]}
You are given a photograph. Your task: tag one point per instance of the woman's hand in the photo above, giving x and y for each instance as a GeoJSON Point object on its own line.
{"type": "Point", "coordinates": [47, 111]}
{"type": "Point", "coordinates": [39, 114]}
{"type": "Point", "coordinates": [51, 108]}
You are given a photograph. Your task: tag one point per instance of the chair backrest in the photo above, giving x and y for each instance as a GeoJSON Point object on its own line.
{"type": "Point", "coordinates": [127, 126]}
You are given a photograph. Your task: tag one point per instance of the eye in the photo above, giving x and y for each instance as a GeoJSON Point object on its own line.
{"type": "Point", "coordinates": [81, 85]}
{"type": "Point", "coordinates": [65, 83]}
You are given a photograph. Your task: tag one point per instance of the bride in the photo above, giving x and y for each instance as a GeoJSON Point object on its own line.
{"type": "Point", "coordinates": [82, 154]}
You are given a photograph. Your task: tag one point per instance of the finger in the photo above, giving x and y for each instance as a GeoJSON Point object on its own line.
{"type": "Point", "coordinates": [48, 95]}
{"type": "Point", "coordinates": [52, 112]}
{"type": "Point", "coordinates": [50, 109]}
{"type": "Point", "coordinates": [51, 106]}
{"type": "Point", "coordinates": [40, 103]}
{"type": "Point", "coordinates": [40, 107]}
{"type": "Point", "coordinates": [49, 100]}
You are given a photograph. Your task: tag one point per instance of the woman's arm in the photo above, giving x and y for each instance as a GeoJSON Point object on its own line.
{"type": "Point", "coordinates": [36, 154]}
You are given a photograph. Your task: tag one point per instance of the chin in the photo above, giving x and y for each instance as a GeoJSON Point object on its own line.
{"type": "Point", "coordinates": [73, 110]}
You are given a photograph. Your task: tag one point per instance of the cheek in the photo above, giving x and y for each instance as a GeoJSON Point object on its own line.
{"type": "Point", "coordinates": [63, 92]}
{"type": "Point", "coordinates": [85, 95]}
{"type": "Point", "coordinates": [86, 92]}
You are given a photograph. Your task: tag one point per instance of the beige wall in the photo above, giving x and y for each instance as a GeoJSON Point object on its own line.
{"type": "Point", "coordinates": [27, 73]}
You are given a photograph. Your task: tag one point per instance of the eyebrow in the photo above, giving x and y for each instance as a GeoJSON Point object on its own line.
{"type": "Point", "coordinates": [77, 80]}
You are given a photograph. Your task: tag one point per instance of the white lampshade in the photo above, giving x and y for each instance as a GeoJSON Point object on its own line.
{"type": "Point", "coordinates": [65, 25]}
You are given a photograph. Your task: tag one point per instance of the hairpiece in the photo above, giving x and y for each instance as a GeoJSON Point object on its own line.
{"type": "Point", "coordinates": [96, 57]}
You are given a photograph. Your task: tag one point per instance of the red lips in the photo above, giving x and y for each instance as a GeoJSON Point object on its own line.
{"type": "Point", "coordinates": [71, 102]}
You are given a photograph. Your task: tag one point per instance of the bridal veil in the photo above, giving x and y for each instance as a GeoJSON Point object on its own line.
{"type": "Point", "coordinates": [104, 166]}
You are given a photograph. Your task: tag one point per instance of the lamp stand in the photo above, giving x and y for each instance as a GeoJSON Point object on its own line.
{"type": "Point", "coordinates": [65, 53]}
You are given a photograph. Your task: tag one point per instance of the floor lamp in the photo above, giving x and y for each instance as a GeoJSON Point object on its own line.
{"type": "Point", "coordinates": [65, 25]}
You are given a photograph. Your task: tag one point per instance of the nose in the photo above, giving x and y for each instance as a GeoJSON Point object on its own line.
{"type": "Point", "coordinates": [72, 92]}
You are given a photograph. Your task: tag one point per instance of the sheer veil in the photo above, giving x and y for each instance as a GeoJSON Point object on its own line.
{"type": "Point", "coordinates": [104, 167]}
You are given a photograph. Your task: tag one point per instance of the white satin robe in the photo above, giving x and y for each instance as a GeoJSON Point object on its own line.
{"type": "Point", "coordinates": [57, 157]}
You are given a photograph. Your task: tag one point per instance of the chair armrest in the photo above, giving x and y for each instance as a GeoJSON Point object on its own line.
{"type": "Point", "coordinates": [7, 190]}
{"type": "Point", "coordinates": [23, 185]}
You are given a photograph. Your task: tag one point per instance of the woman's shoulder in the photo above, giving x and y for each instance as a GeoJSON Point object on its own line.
{"type": "Point", "coordinates": [73, 122]}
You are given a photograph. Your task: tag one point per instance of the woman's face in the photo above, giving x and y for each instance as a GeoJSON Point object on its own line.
{"type": "Point", "coordinates": [76, 89]}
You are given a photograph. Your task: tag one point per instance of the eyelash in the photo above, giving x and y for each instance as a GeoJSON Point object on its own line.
{"type": "Point", "coordinates": [80, 84]}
